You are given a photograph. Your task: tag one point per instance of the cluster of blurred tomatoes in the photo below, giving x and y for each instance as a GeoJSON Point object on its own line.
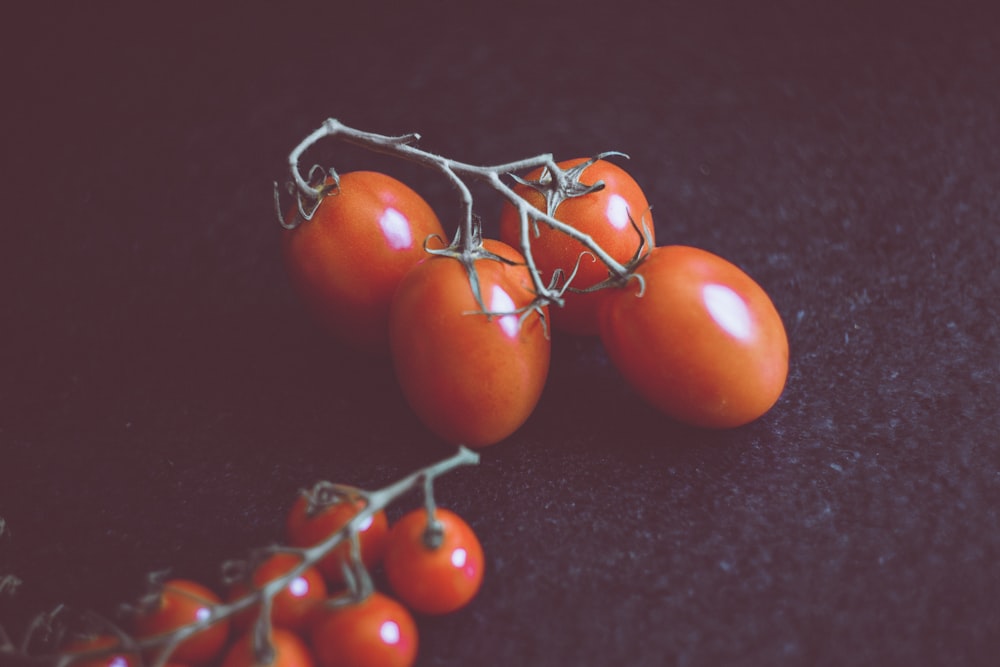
{"type": "Point", "coordinates": [323, 614]}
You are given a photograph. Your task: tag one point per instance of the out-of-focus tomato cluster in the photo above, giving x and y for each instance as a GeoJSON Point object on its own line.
{"type": "Point", "coordinates": [321, 616]}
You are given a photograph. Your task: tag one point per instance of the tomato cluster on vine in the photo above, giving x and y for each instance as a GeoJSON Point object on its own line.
{"type": "Point", "coordinates": [468, 324]}
{"type": "Point", "coordinates": [326, 612]}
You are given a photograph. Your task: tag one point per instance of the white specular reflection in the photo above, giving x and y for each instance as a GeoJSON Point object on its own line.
{"type": "Point", "coordinates": [396, 229]}
{"type": "Point", "coordinates": [299, 587]}
{"type": "Point", "coordinates": [500, 302]}
{"type": "Point", "coordinates": [617, 211]}
{"type": "Point", "coordinates": [389, 632]}
{"type": "Point", "coordinates": [458, 557]}
{"type": "Point", "coordinates": [366, 523]}
{"type": "Point", "coordinates": [728, 310]}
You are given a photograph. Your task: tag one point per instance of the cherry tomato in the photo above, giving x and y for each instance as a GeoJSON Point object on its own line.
{"type": "Point", "coordinates": [305, 530]}
{"type": "Point", "coordinates": [603, 215]}
{"type": "Point", "coordinates": [292, 607]}
{"type": "Point", "coordinates": [115, 659]}
{"type": "Point", "coordinates": [182, 602]}
{"type": "Point", "coordinates": [376, 632]}
{"type": "Point", "coordinates": [347, 260]}
{"type": "Point", "coordinates": [289, 651]}
{"type": "Point", "coordinates": [703, 343]}
{"type": "Point", "coordinates": [470, 378]}
{"type": "Point", "coordinates": [434, 579]}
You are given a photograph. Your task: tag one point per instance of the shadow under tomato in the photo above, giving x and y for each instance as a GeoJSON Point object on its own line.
{"type": "Point", "coordinates": [588, 405]}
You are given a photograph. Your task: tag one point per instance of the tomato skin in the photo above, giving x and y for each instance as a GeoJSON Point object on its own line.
{"type": "Point", "coordinates": [436, 580]}
{"type": "Point", "coordinates": [305, 531]}
{"type": "Point", "coordinates": [182, 602]}
{"type": "Point", "coordinates": [116, 659]}
{"type": "Point", "coordinates": [376, 632]}
{"type": "Point", "coordinates": [601, 215]}
{"type": "Point", "coordinates": [716, 370]}
{"type": "Point", "coordinates": [471, 379]}
{"type": "Point", "coordinates": [348, 259]}
{"type": "Point", "coordinates": [289, 651]}
{"type": "Point", "coordinates": [291, 608]}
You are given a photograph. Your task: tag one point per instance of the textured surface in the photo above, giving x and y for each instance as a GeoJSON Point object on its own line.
{"type": "Point", "coordinates": [163, 395]}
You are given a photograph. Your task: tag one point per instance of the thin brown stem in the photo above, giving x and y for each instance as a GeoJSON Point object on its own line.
{"type": "Point", "coordinates": [456, 172]}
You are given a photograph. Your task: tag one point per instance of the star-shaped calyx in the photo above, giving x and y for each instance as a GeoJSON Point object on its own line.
{"type": "Point", "coordinates": [557, 185]}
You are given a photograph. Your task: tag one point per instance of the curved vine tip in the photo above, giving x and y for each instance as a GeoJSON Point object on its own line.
{"type": "Point", "coordinates": [434, 532]}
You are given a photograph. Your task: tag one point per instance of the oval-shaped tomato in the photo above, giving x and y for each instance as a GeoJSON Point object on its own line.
{"type": "Point", "coordinates": [348, 259]}
{"type": "Point", "coordinates": [471, 378]}
{"type": "Point", "coordinates": [376, 632]}
{"type": "Point", "coordinates": [434, 578]}
{"type": "Point", "coordinates": [305, 529]}
{"type": "Point", "coordinates": [292, 607]}
{"type": "Point", "coordinates": [182, 602]}
{"type": "Point", "coordinates": [289, 651]}
{"type": "Point", "coordinates": [603, 215]}
{"type": "Point", "coordinates": [703, 342]}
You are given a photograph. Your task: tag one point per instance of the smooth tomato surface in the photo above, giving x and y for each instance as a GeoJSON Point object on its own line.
{"type": "Point", "coordinates": [305, 530]}
{"type": "Point", "coordinates": [376, 632]}
{"type": "Point", "coordinates": [348, 259]}
{"type": "Point", "coordinates": [293, 606]}
{"type": "Point", "coordinates": [183, 602]}
{"type": "Point", "coordinates": [704, 343]}
{"type": "Point", "coordinates": [470, 378]}
{"type": "Point", "coordinates": [101, 642]}
{"type": "Point", "coordinates": [603, 215]}
{"type": "Point", "coordinates": [439, 579]}
{"type": "Point", "coordinates": [289, 651]}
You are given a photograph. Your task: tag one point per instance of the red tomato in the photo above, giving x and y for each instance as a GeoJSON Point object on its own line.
{"type": "Point", "coordinates": [470, 378]}
{"type": "Point", "coordinates": [305, 530]}
{"type": "Point", "coordinates": [376, 632]}
{"type": "Point", "coordinates": [114, 659]}
{"type": "Point", "coordinates": [434, 579]}
{"type": "Point", "coordinates": [183, 602]}
{"type": "Point", "coordinates": [703, 343]}
{"type": "Point", "coordinates": [603, 215]}
{"type": "Point", "coordinates": [292, 607]}
{"type": "Point", "coordinates": [347, 260]}
{"type": "Point", "coordinates": [289, 651]}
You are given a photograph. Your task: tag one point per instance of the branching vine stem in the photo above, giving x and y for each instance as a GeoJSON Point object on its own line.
{"type": "Point", "coordinates": [403, 147]}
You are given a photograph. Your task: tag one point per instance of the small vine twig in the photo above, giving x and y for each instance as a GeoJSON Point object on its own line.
{"type": "Point", "coordinates": [466, 239]}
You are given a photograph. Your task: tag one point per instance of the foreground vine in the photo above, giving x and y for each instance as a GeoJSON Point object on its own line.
{"type": "Point", "coordinates": [90, 639]}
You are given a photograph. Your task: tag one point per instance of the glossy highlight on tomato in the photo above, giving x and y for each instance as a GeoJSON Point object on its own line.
{"type": "Point", "coordinates": [348, 259]}
{"type": "Point", "coordinates": [305, 529]}
{"type": "Point", "coordinates": [471, 378]}
{"type": "Point", "coordinates": [703, 342]}
{"type": "Point", "coordinates": [436, 579]}
{"type": "Point", "coordinates": [603, 215]}
{"type": "Point", "coordinates": [376, 632]}
{"type": "Point", "coordinates": [182, 602]}
{"type": "Point", "coordinates": [293, 606]}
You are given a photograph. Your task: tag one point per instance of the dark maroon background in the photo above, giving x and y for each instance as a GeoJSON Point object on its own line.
{"type": "Point", "coordinates": [163, 395]}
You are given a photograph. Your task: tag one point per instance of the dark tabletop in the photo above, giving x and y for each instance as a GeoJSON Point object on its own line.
{"type": "Point", "coordinates": [163, 394]}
